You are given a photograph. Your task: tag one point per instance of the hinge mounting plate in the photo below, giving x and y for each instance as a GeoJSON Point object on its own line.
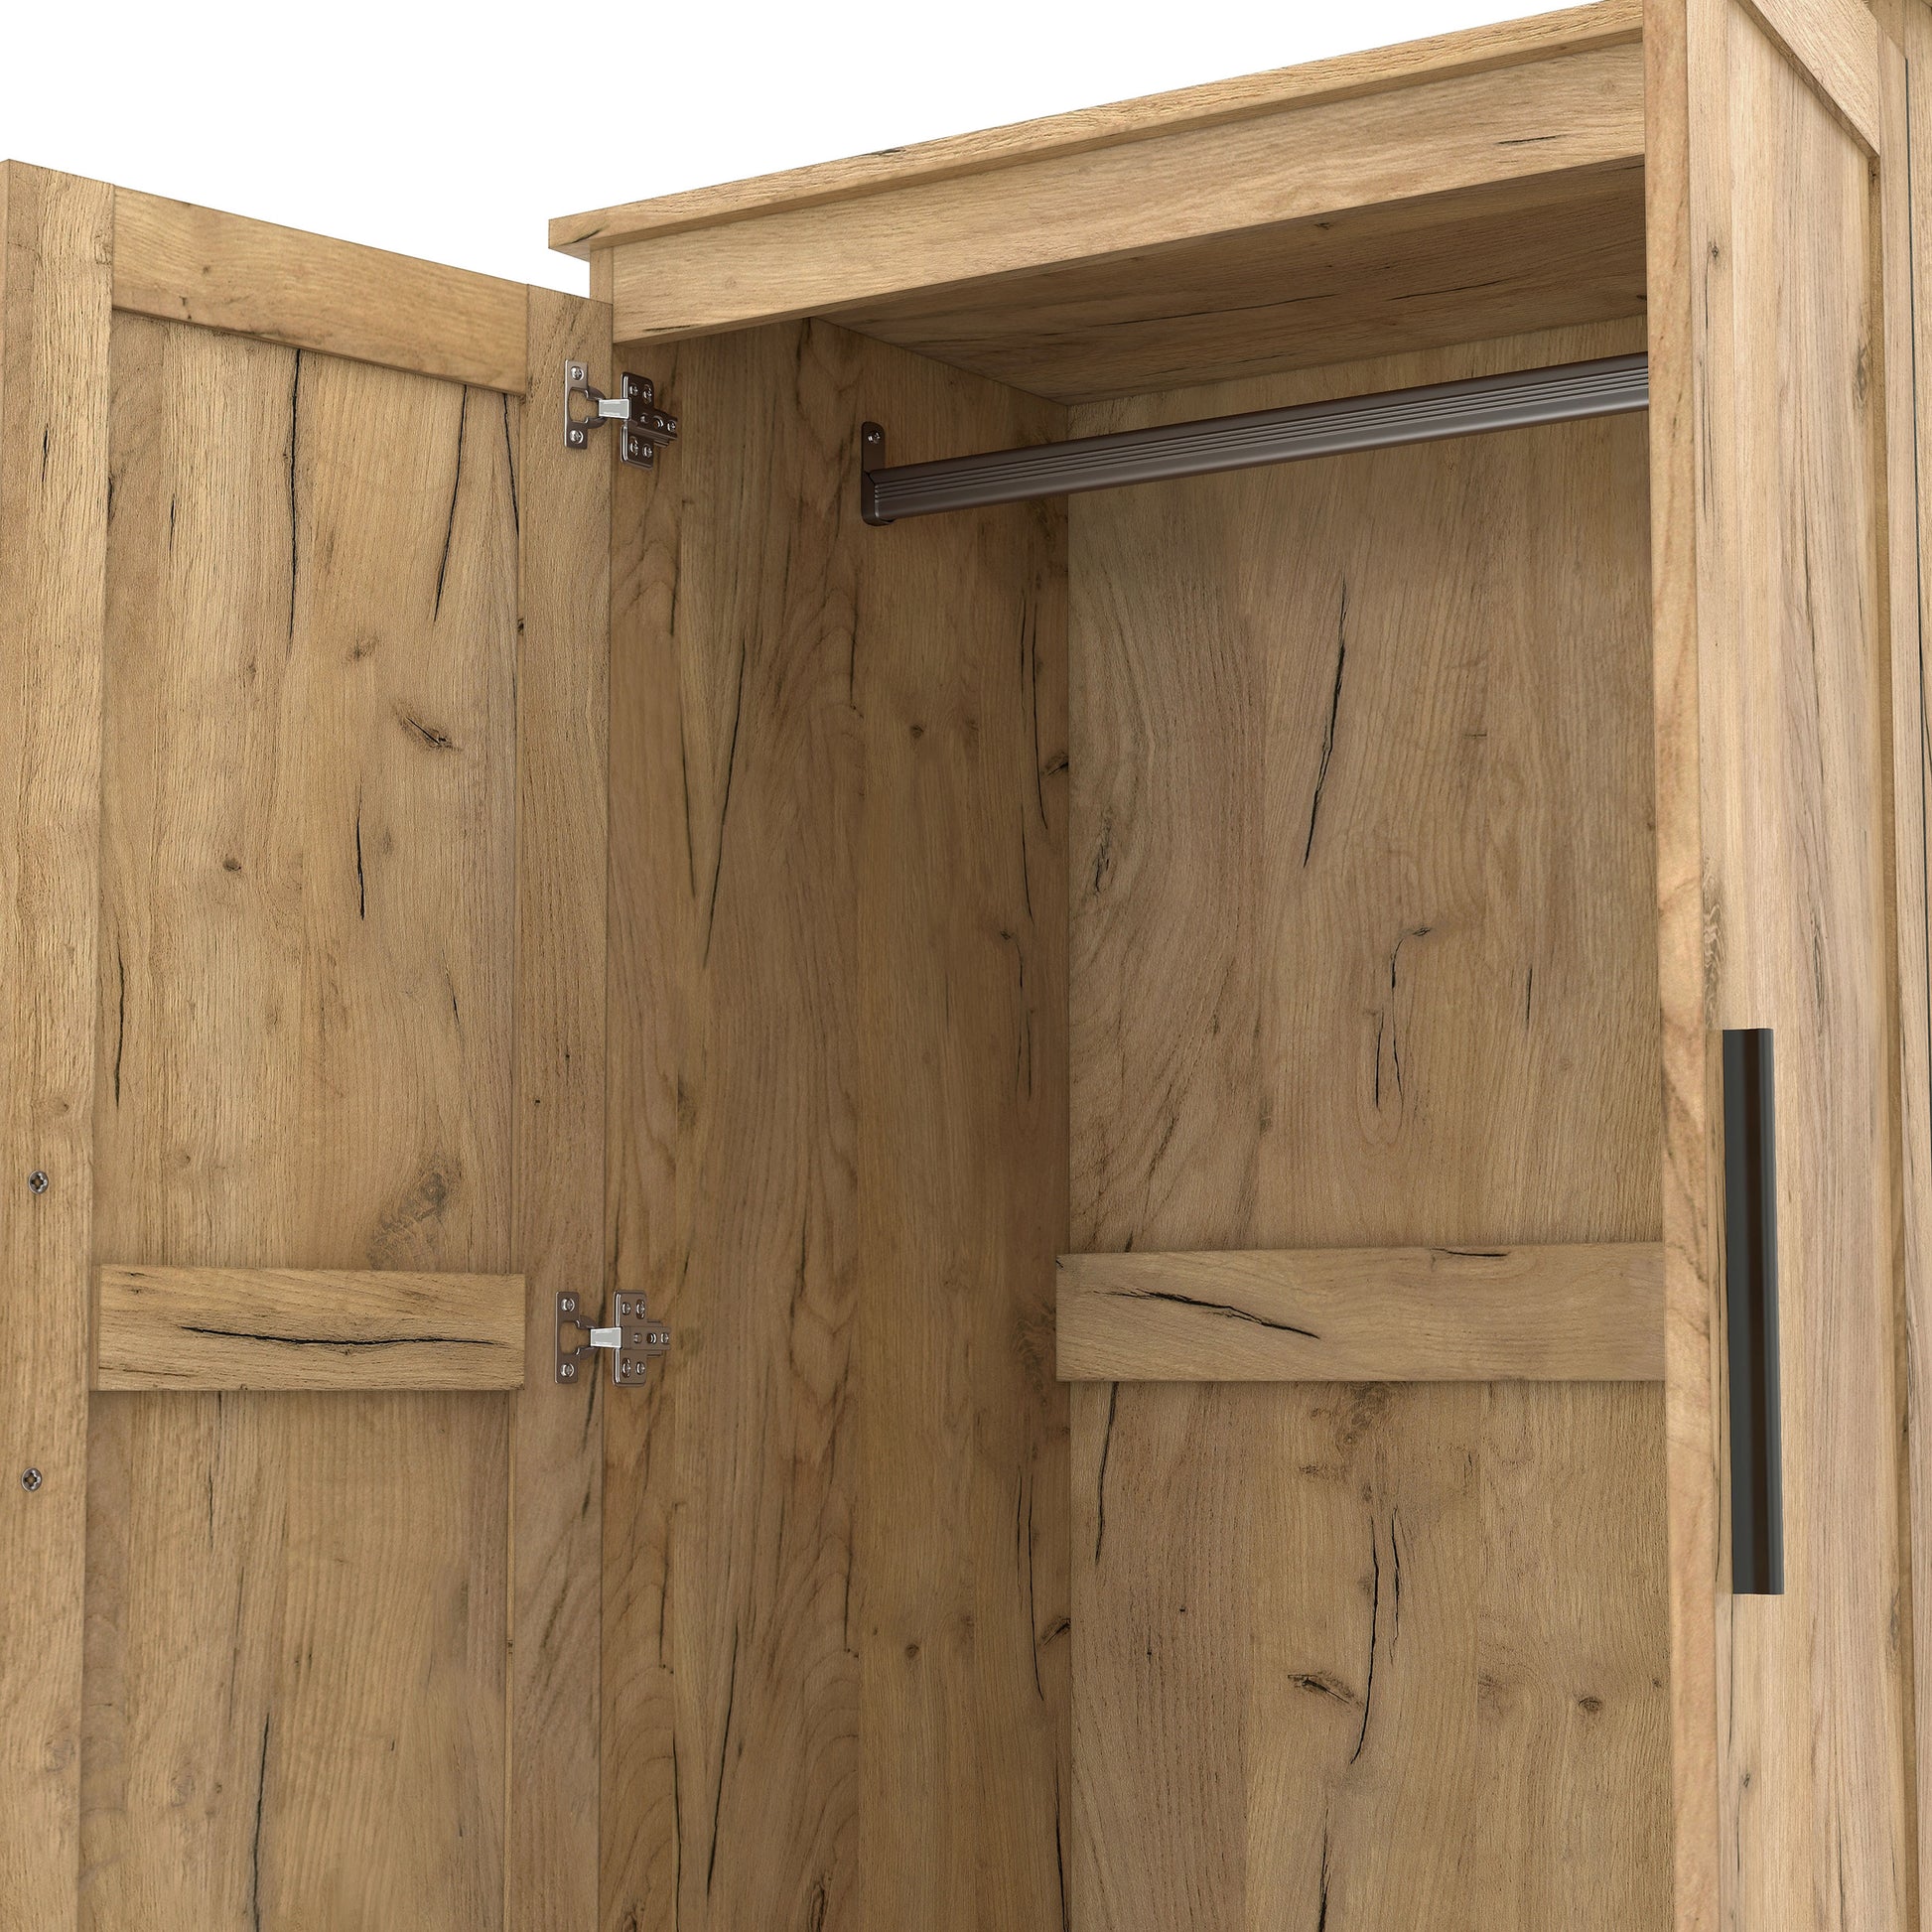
{"type": "Point", "coordinates": [632, 1339]}
{"type": "Point", "coordinates": [646, 429]}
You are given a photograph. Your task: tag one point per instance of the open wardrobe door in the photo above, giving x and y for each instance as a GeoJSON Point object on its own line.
{"type": "Point", "coordinates": [302, 842]}
{"type": "Point", "coordinates": [1792, 898]}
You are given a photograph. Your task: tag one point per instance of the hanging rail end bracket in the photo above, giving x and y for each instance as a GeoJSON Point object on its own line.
{"type": "Point", "coordinates": [872, 446]}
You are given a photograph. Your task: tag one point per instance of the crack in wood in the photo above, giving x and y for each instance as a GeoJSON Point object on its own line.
{"type": "Point", "coordinates": [723, 1755]}
{"type": "Point", "coordinates": [724, 810]}
{"type": "Point", "coordinates": [1106, 1450]}
{"type": "Point", "coordinates": [295, 418]}
{"type": "Point", "coordinates": [338, 1341]}
{"type": "Point", "coordinates": [1227, 1309]}
{"type": "Point", "coordinates": [509, 464]}
{"type": "Point", "coordinates": [255, 1846]}
{"type": "Point", "coordinates": [1334, 711]}
{"type": "Point", "coordinates": [456, 488]}
{"type": "Point", "coordinates": [1374, 1621]}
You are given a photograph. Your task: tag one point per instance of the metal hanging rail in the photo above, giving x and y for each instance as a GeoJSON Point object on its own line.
{"type": "Point", "coordinates": [1613, 386]}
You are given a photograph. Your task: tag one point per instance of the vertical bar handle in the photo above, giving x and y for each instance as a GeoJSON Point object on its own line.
{"type": "Point", "coordinates": [1751, 1312]}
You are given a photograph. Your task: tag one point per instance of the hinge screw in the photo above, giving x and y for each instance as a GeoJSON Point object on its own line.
{"type": "Point", "coordinates": [568, 1305]}
{"type": "Point", "coordinates": [30, 1480]}
{"type": "Point", "coordinates": [567, 1370]}
{"type": "Point", "coordinates": [37, 1181]}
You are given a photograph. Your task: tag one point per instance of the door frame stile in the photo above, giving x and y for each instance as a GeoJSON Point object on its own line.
{"type": "Point", "coordinates": [55, 271]}
{"type": "Point", "coordinates": [1692, 1323]}
{"type": "Point", "coordinates": [552, 1761]}
{"type": "Point", "coordinates": [1908, 407]}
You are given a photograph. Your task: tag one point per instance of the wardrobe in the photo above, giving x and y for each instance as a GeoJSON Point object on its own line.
{"type": "Point", "coordinates": [1046, 1050]}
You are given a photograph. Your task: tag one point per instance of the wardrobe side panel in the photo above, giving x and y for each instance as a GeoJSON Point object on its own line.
{"type": "Point", "coordinates": [1362, 954]}
{"type": "Point", "coordinates": [54, 244]}
{"type": "Point", "coordinates": [835, 1611]}
{"type": "Point", "coordinates": [1784, 607]}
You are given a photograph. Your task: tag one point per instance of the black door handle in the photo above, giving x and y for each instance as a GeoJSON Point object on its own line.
{"type": "Point", "coordinates": [1751, 1312]}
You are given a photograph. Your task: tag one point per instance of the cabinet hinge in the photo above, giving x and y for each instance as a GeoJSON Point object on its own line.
{"type": "Point", "coordinates": [646, 428]}
{"type": "Point", "coordinates": [632, 1339]}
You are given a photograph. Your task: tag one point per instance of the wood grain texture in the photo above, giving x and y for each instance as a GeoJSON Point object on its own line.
{"type": "Point", "coordinates": [304, 1048]}
{"type": "Point", "coordinates": [54, 334]}
{"type": "Point", "coordinates": [556, 1508]}
{"type": "Point", "coordinates": [1906, 209]}
{"type": "Point", "coordinates": [181, 263]}
{"type": "Point", "coordinates": [1378, 70]}
{"type": "Point", "coordinates": [1369, 1656]}
{"type": "Point", "coordinates": [835, 1629]}
{"type": "Point", "coordinates": [1591, 1314]}
{"type": "Point", "coordinates": [1362, 956]}
{"type": "Point", "coordinates": [1380, 280]}
{"type": "Point", "coordinates": [1778, 475]}
{"type": "Point", "coordinates": [1567, 116]}
{"type": "Point", "coordinates": [307, 1328]}
{"type": "Point", "coordinates": [1364, 763]}
{"type": "Point", "coordinates": [1836, 44]}
{"type": "Point", "coordinates": [1693, 1414]}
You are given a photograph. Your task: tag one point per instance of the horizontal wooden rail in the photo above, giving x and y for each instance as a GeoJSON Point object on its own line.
{"type": "Point", "coordinates": [1585, 1313]}
{"type": "Point", "coordinates": [306, 291]}
{"type": "Point", "coordinates": [307, 1328]}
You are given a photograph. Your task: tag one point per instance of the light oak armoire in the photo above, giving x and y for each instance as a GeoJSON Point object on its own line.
{"type": "Point", "coordinates": [1046, 1053]}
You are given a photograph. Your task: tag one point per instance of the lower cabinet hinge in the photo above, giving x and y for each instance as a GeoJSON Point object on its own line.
{"type": "Point", "coordinates": [632, 1339]}
{"type": "Point", "coordinates": [646, 428]}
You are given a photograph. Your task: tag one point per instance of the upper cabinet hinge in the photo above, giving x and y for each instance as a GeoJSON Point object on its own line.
{"type": "Point", "coordinates": [646, 426]}
{"type": "Point", "coordinates": [632, 1339]}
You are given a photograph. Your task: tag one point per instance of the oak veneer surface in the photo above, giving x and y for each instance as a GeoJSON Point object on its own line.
{"type": "Point", "coordinates": [1907, 202]}
{"type": "Point", "coordinates": [563, 730]}
{"type": "Point", "coordinates": [1783, 487]}
{"type": "Point", "coordinates": [1507, 44]}
{"type": "Point", "coordinates": [835, 1630]}
{"type": "Point", "coordinates": [1243, 215]}
{"type": "Point", "coordinates": [305, 1044]}
{"type": "Point", "coordinates": [1362, 955]}
{"type": "Point", "coordinates": [54, 354]}
{"type": "Point", "coordinates": [182, 263]}
{"type": "Point", "coordinates": [1416, 273]}
{"type": "Point", "coordinates": [1585, 1313]}
{"type": "Point", "coordinates": [307, 1328]}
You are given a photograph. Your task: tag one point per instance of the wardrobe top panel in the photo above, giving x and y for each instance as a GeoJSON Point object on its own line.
{"type": "Point", "coordinates": [1468, 185]}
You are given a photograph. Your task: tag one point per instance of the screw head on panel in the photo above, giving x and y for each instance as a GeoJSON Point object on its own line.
{"type": "Point", "coordinates": [29, 1480]}
{"type": "Point", "coordinates": [37, 1181]}
{"type": "Point", "coordinates": [568, 1303]}
{"type": "Point", "coordinates": [568, 1370]}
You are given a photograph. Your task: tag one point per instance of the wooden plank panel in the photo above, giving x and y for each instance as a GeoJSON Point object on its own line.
{"type": "Point", "coordinates": [54, 334]}
{"type": "Point", "coordinates": [1361, 956]}
{"type": "Point", "coordinates": [1553, 252]}
{"type": "Point", "coordinates": [1571, 114]}
{"type": "Point", "coordinates": [1507, 44]}
{"type": "Point", "coordinates": [1365, 1314]}
{"type": "Point", "coordinates": [182, 263]}
{"type": "Point", "coordinates": [1836, 43]}
{"type": "Point", "coordinates": [1361, 949]}
{"type": "Point", "coordinates": [1369, 1656]}
{"type": "Point", "coordinates": [1786, 532]}
{"type": "Point", "coordinates": [962, 1524]}
{"type": "Point", "coordinates": [835, 1630]}
{"type": "Point", "coordinates": [307, 1328]}
{"type": "Point", "coordinates": [1690, 1103]}
{"type": "Point", "coordinates": [563, 735]}
{"type": "Point", "coordinates": [305, 1024]}
{"type": "Point", "coordinates": [1774, 687]}
{"type": "Point", "coordinates": [1907, 207]}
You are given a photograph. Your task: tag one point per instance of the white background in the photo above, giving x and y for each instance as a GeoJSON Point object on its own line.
{"type": "Point", "coordinates": [457, 132]}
